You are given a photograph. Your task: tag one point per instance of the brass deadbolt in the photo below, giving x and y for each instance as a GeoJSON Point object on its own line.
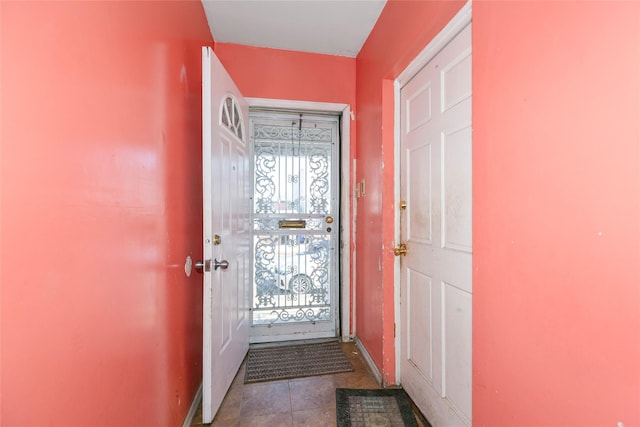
{"type": "Point", "coordinates": [329, 219]}
{"type": "Point", "coordinates": [400, 250]}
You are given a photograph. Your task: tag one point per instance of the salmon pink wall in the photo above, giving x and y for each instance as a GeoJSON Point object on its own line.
{"type": "Point", "coordinates": [284, 74]}
{"type": "Point", "coordinates": [100, 205]}
{"type": "Point", "coordinates": [402, 31]}
{"type": "Point", "coordinates": [556, 135]}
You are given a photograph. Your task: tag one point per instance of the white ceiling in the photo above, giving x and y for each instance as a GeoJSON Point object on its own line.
{"type": "Point", "coordinates": [333, 27]}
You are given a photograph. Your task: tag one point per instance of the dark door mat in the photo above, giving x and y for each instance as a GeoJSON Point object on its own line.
{"type": "Point", "coordinates": [295, 361]}
{"type": "Point", "coordinates": [374, 408]}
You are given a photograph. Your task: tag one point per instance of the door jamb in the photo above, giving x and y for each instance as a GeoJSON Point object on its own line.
{"type": "Point", "coordinates": [347, 224]}
{"type": "Point", "coordinates": [455, 25]}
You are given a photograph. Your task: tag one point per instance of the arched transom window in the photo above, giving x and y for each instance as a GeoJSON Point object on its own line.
{"type": "Point", "coordinates": [231, 117]}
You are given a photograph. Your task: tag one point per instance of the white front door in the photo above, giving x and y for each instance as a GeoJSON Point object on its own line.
{"type": "Point", "coordinates": [226, 232]}
{"type": "Point", "coordinates": [435, 274]}
{"type": "Point", "coordinates": [295, 225]}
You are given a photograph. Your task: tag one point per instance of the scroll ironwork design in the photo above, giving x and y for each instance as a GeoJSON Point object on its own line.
{"type": "Point", "coordinates": [292, 180]}
{"type": "Point", "coordinates": [284, 133]}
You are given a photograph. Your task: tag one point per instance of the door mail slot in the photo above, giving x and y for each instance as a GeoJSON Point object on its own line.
{"type": "Point", "coordinates": [292, 223]}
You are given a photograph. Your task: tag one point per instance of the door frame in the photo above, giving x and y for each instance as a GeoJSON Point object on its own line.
{"type": "Point", "coordinates": [455, 25]}
{"type": "Point", "coordinates": [346, 234]}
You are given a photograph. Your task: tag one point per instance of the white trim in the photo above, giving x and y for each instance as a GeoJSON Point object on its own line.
{"type": "Point", "coordinates": [345, 190]}
{"type": "Point", "coordinates": [457, 24]}
{"type": "Point", "coordinates": [193, 409]}
{"type": "Point", "coordinates": [345, 224]}
{"type": "Point", "coordinates": [296, 105]}
{"type": "Point", "coordinates": [396, 229]}
{"type": "Point", "coordinates": [263, 337]}
{"type": "Point", "coordinates": [372, 366]}
{"type": "Point", "coordinates": [354, 211]}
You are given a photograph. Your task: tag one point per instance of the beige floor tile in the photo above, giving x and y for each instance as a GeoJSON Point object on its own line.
{"type": "Point", "coordinates": [225, 423]}
{"type": "Point", "coordinates": [300, 402]}
{"type": "Point", "coordinates": [230, 408]}
{"type": "Point", "coordinates": [317, 417]}
{"type": "Point", "coordinates": [268, 420]}
{"type": "Point", "coordinates": [265, 398]}
{"type": "Point", "coordinates": [312, 392]}
{"type": "Point", "coordinates": [356, 380]}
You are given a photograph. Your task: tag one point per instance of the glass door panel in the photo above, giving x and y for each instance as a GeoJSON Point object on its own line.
{"type": "Point", "coordinates": [295, 226]}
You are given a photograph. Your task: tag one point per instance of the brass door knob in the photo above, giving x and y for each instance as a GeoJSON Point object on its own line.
{"type": "Point", "coordinates": [400, 250]}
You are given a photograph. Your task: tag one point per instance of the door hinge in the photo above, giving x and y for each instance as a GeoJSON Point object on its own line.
{"type": "Point", "coordinates": [394, 330]}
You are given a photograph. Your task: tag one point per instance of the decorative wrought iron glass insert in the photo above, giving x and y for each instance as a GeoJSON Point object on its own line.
{"type": "Point", "coordinates": [295, 204]}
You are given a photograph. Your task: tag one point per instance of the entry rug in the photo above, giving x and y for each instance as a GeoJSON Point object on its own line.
{"type": "Point", "coordinates": [374, 408]}
{"type": "Point", "coordinates": [295, 361]}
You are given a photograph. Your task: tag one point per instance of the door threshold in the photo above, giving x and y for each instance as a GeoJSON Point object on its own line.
{"type": "Point", "coordinates": [291, 342]}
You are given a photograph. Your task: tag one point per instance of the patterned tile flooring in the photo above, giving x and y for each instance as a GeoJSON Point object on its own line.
{"type": "Point", "coordinates": [299, 402]}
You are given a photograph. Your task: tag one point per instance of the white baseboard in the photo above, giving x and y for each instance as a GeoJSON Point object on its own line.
{"type": "Point", "coordinates": [372, 366]}
{"type": "Point", "coordinates": [193, 409]}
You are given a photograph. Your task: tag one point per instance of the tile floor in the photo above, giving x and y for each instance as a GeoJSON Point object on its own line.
{"type": "Point", "coordinates": [300, 402]}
